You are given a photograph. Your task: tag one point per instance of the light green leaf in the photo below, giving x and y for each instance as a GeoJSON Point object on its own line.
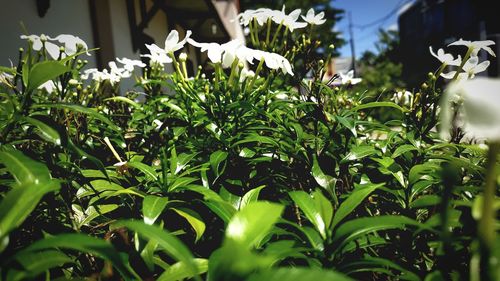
{"type": "Point", "coordinates": [124, 99]}
{"type": "Point", "coordinates": [152, 207]}
{"type": "Point", "coordinates": [24, 169]}
{"type": "Point", "coordinates": [149, 171]}
{"type": "Point", "coordinates": [216, 159]}
{"type": "Point", "coordinates": [179, 271]}
{"type": "Point", "coordinates": [251, 196]}
{"type": "Point", "coordinates": [378, 104]}
{"type": "Point", "coordinates": [251, 224]}
{"type": "Point", "coordinates": [94, 212]}
{"type": "Point", "coordinates": [20, 201]}
{"type": "Point", "coordinates": [46, 132]}
{"type": "Point", "coordinates": [35, 263]}
{"type": "Point", "coordinates": [403, 149]}
{"type": "Point", "coordinates": [194, 220]}
{"type": "Point", "coordinates": [297, 273]}
{"type": "Point", "coordinates": [359, 152]}
{"type": "Point", "coordinates": [325, 181]}
{"type": "Point", "coordinates": [308, 206]}
{"type": "Point", "coordinates": [44, 71]}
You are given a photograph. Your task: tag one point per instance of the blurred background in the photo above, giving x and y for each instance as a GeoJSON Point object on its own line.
{"type": "Point", "coordinates": [385, 41]}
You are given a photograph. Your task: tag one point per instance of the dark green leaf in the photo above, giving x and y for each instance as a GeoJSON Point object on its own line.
{"type": "Point", "coordinates": [44, 71]}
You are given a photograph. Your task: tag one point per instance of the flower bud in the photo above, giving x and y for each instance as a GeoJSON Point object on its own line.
{"type": "Point", "coordinates": [331, 46]}
{"type": "Point", "coordinates": [73, 82]}
{"type": "Point", "coordinates": [43, 38]}
{"type": "Point", "coordinates": [183, 57]}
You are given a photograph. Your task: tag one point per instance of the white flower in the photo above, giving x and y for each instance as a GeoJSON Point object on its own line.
{"type": "Point", "coordinates": [476, 46]}
{"type": "Point", "coordinates": [71, 43]}
{"type": "Point", "coordinates": [470, 68]}
{"type": "Point", "coordinates": [402, 97]}
{"type": "Point", "coordinates": [261, 15]}
{"type": "Point", "coordinates": [39, 41]}
{"type": "Point", "coordinates": [157, 54]}
{"type": "Point", "coordinates": [348, 78]}
{"type": "Point", "coordinates": [445, 58]}
{"type": "Point", "coordinates": [480, 107]}
{"type": "Point", "coordinates": [6, 78]}
{"type": "Point", "coordinates": [129, 64]}
{"type": "Point", "coordinates": [172, 42]}
{"type": "Point", "coordinates": [314, 19]}
{"type": "Point", "coordinates": [214, 50]}
{"type": "Point", "coordinates": [290, 20]}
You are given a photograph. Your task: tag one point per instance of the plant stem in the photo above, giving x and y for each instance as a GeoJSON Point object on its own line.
{"type": "Point", "coordinates": [486, 227]}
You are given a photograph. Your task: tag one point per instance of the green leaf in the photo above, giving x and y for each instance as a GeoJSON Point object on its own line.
{"type": "Point", "coordinates": [348, 123]}
{"type": "Point", "coordinates": [325, 181]}
{"type": "Point", "coordinates": [44, 71]}
{"type": "Point", "coordinates": [86, 244]}
{"type": "Point", "coordinates": [46, 132]}
{"type": "Point", "coordinates": [167, 241]}
{"type": "Point", "coordinates": [359, 152]}
{"type": "Point", "coordinates": [194, 220]}
{"type": "Point", "coordinates": [179, 271]}
{"type": "Point", "coordinates": [308, 206]}
{"type": "Point", "coordinates": [93, 212]}
{"type": "Point", "coordinates": [222, 209]}
{"type": "Point", "coordinates": [324, 206]}
{"type": "Point", "coordinates": [24, 169]}
{"type": "Point", "coordinates": [403, 149]}
{"type": "Point", "coordinates": [149, 171]}
{"type": "Point", "coordinates": [152, 207]}
{"type": "Point", "coordinates": [251, 224]}
{"type": "Point", "coordinates": [355, 228]}
{"type": "Point", "coordinates": [216, 159]}
{"type": "Point", "coordinates": [353, 200]}
{"type": "Point", "coordinates": [378, 104]}
{"type": "Point", "coordinates": [81, 109]}
{"type": "Point", "coordinates": [297, 273]}
{"type": "Point", "coordinates": [20, 201]}
{"type": "Point", "coordinates": [124, 99]}
{"type": "Point", "coordinates": [251, 196]}
{"type": "Point", "coordinates": [35, 263]}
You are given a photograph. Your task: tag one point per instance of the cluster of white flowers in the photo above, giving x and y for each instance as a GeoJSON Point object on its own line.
{"type": "Point", "coordinates": [172, 44]}
{"type": "Point", "coordinates": [115, 73]}
{"type": "Point", "coordinates": [71, 44]}
{"type": "Point", "coordinates": [228, 52]}
{"type": "Point", "coordinates": [262, 15]}
{"type": "Point", "coordinates": [471, 66]}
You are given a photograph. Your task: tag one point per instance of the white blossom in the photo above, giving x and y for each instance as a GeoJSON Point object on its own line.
{"type": "Point", "coordinates": [290, 20]}
{"type": "Point", "coordinates": [314, 19]}
{"type": "Point", "coordinates": [172, 44]}
{"type": "Point", "coordinates": [445, 58]}
{"type": "Point", "coordinates": [348, 78]}
{"type": "Point", "coordinates": [470, 68]}
{"type": "Point", "coordinates": [476, 46]}
{"type": "Point", "coordinates": [71, 43]}
{"type": "Point", "coordinates": [129, 64]}
{"type": "Point", "coordinates": [479, 104]}
{"type": "Point", "coordinates": [39, 41]}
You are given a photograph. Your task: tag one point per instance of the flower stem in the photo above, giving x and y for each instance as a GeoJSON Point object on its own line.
{"type": "Point", "coordinates": [464, 60]}
{"type": "Point", "coordinates": [486, 227]}
{"type": "Point", "coordinates": [275, 36]}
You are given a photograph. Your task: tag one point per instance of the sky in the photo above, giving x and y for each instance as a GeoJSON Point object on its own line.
{"type": "Point", "coordinates": [367, 17]}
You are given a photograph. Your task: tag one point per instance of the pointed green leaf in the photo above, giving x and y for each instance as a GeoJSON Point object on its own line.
{"type": "Point", "coordinates": [149, 171]}
{"type": "Point", "coordinates": [24, 169]}
{"type": "Point", "coordinates": [152, 207]}
{"type": "Point", "coordinates": [403, 149]}
{"type": "Point", "coordinates": [353, 200]}
{"type": "Point", "coordinates": [171, 244]}
{"type": "Point", "coordinates": [251, 196]}
{"type": "Point", "coordinates": [44, 71]}
{"type": "Point", "coordinates": [46, 132]}
{"type": "Point", "coordinates": [297, 273]}
{"type": "Point", "coordinates": [216, 159]}
{"type": "Point", "coordinates": [179, 271]}
{"type": "Point", "coordinates": [194, 220]}
{"type": "Point", "coordinates": [309, 208]}
{"type": "Point", "coordinates": [251, 224]}
{"type": "Point", "coordinates": [85, 244]}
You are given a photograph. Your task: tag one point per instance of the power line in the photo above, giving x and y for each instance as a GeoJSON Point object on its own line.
{"type": "Point", "coordinates": [381, 20]}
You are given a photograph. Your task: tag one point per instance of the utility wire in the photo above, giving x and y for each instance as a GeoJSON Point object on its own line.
{"type": "Point", "coordinates": [381, 20]}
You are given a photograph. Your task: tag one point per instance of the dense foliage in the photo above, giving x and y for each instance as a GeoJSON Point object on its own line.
{"type": "Point", "coordinates": [235, 174]}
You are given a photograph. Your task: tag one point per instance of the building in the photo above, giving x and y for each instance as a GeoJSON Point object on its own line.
{"type": "Point", "coordinates": [119, 28]}
{"type": "Point", "coordinates": [437, 23]}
